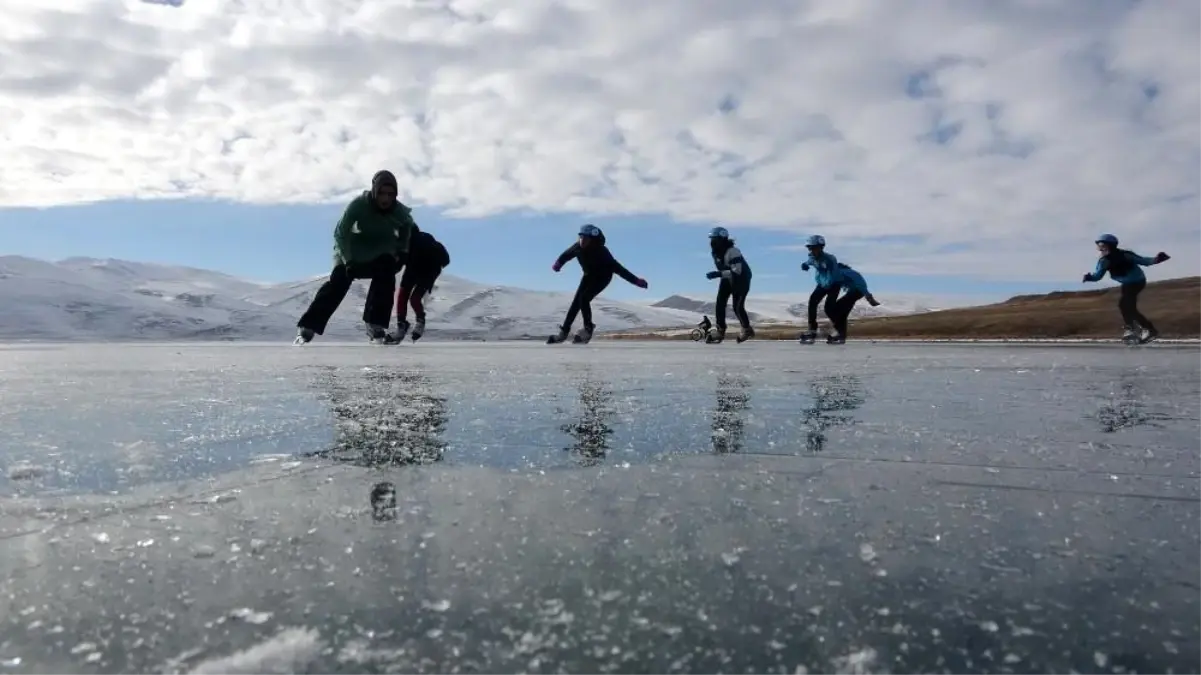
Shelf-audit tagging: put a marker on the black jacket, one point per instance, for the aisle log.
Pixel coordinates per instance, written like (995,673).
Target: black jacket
(426,253)
(596,260)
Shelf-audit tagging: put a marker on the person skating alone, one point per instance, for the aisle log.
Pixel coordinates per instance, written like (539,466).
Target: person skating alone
(599,266)
(1124,267)
(427,258)
(371,241)
(855,289)
(828,276)
(735,275)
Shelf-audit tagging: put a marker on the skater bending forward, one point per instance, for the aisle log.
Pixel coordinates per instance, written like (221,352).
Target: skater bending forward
(371,241)
(427,258)
(599,266)
(1123,267)
(829,282)
(735,275)
(855,290)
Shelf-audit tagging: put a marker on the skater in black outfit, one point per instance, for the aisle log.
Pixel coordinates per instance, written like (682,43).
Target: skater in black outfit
(427,258)
(599,266)
(1123,267)
(735,275)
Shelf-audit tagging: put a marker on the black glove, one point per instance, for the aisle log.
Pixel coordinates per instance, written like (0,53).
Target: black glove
(1161,256)
(713,275)
(804,267)
(1086,279)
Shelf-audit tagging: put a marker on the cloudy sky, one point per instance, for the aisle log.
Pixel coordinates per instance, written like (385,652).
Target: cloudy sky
(939,145)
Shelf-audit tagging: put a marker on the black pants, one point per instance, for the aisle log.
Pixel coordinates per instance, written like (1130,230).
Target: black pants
(831,296)
(1129,306)
(842,310)
(590,286)
(414,284)
(738,291)
(378,308)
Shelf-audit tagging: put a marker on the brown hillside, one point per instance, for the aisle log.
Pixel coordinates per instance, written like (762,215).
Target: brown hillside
(1173,305)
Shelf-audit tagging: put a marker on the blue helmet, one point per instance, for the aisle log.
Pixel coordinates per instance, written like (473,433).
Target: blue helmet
(589,230)
(1107,239)
(719,233)
(815,240)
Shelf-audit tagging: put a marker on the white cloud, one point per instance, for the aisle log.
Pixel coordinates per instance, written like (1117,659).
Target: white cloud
(612,106)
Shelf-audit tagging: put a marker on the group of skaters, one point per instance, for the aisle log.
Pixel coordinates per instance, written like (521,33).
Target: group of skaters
(377,237)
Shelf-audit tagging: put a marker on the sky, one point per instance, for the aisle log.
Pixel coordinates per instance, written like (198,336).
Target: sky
(953,147)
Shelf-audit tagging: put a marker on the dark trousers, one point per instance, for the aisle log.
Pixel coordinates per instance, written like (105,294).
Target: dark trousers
(378,308)
(831,296)
(738,291)
(842,310)
(590,286)
(1128,305)
(414,284)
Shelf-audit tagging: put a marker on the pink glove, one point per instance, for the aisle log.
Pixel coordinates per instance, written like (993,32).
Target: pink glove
(556,267)
(641,283)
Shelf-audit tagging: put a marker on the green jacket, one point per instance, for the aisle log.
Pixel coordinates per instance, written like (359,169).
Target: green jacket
(364,233)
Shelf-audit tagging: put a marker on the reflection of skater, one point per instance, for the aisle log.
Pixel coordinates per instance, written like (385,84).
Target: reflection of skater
(591,430)
(728,426)
(371,241)
(599,266)
(427,258)
(1123,267)
(735,274)
(829,282)
(855,290)
(833,394)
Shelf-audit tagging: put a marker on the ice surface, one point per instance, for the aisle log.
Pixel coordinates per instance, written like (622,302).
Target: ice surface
(626,506)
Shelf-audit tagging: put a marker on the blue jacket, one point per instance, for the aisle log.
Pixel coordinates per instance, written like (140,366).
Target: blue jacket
(826,270)
(1122,266)
(853,280)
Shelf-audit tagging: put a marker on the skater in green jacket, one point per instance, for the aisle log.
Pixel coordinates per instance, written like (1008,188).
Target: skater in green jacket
(371,241)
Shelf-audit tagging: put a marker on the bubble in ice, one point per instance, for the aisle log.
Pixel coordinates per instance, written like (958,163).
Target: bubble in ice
(101,537)
(26,471)
(250,616)
(867,553)
(437,605)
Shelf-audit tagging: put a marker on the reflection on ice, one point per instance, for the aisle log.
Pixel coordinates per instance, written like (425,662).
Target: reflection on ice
(830,395)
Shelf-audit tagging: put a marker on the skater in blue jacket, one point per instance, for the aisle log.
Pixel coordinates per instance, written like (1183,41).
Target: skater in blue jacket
(829,282)
(1123,267)
(855,289)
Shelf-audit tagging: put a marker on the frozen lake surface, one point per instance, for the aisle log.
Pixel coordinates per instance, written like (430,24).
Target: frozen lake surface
(664,507)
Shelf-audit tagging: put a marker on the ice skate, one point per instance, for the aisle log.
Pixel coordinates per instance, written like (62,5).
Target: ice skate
(808,337)
(716,336)
(1129,336)
(584,335)
(1148,335)
(746,334)
(418,329)
(555,339)
(835,339)
(303,337)
(379,335)
(398,336)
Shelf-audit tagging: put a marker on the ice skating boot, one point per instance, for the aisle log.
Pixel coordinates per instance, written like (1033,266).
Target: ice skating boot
(555,339)
(379,335)
(584,335)
(808,337)
(402,327)
(1148,335)
(716,336)
(835,339)
(303,336)
(746,334)
(418,329)
(1129,336)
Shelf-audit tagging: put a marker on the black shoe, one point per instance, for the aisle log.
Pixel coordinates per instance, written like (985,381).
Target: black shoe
(745,335)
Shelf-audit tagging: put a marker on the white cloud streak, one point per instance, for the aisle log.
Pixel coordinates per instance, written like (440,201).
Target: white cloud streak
(1060,118)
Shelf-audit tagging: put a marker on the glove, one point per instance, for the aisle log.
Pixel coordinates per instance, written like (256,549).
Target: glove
(804,267)
(1161,256)
(556,267)
(713,275)
(640,283)
(1086,279)
(872,301)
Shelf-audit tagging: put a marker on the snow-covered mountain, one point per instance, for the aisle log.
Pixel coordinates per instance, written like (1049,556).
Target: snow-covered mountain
(793,308)
(88,299)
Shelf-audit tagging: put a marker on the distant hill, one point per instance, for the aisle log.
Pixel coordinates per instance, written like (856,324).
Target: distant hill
(118,300)
(1174,305)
